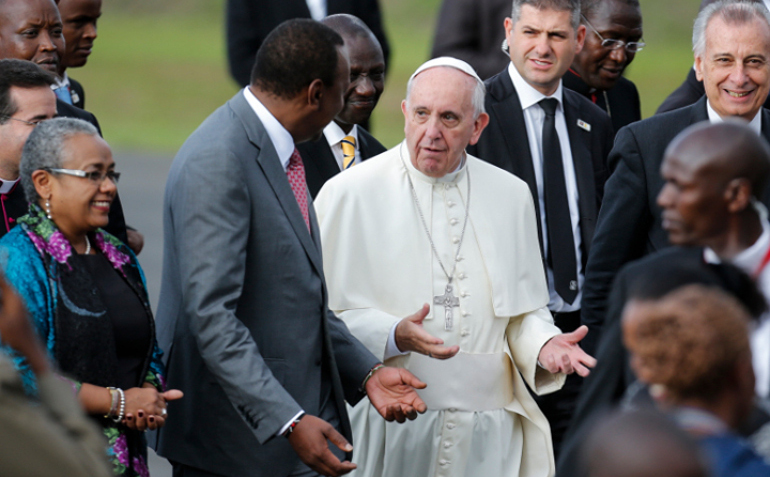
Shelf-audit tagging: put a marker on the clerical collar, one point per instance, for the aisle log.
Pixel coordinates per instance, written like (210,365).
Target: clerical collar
(279,136)
(452,177)
(334,134)
(755,124)
(529,96)
(752,256)
(7,186)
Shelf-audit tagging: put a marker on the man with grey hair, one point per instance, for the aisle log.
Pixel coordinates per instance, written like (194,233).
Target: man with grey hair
(732,50)
(557,141)
(427,279)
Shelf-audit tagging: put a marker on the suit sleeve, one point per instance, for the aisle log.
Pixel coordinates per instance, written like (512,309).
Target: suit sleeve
(212,273)
(621,231)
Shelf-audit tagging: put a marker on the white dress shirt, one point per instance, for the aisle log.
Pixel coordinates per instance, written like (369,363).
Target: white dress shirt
(534,116)
(755,124)
(317,9)
(279,136)
(334,136)
(749,261)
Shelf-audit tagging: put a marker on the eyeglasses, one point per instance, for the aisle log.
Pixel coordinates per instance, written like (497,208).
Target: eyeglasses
(29,123)
(97,177)
(613,44)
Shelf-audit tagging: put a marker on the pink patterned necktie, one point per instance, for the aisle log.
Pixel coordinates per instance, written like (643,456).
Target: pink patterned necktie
(296,175)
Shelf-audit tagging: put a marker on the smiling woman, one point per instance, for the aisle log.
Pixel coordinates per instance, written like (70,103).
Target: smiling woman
(84,289)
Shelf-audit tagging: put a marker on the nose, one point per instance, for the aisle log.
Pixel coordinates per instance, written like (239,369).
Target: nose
(543,46)
(365,86)
(738,74)
(90,31)
(619,55)
(108,186)
(433,128)
(45,41)
(666,197)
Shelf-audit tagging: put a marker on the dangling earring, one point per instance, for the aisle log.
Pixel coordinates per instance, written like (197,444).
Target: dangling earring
(48,209)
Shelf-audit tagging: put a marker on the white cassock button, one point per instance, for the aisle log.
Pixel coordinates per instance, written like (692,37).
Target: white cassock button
(463,293)
(447,445)
(459,258)
(465,332)
(463,312)
(455,239)
(462,276)
(450,426)
(453,221)
(443,462)
(447,186)
(450,203)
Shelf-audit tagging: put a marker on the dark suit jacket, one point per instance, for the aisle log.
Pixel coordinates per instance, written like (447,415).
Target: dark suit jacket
(624,107)
(690,91)
(78,95)
(472,30)
(14,206)
(629,224)
(250,21)
(243,311)
(320,164)
(504,143)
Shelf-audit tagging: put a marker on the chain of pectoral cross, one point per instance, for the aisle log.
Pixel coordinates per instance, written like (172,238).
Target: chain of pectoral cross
(448,299)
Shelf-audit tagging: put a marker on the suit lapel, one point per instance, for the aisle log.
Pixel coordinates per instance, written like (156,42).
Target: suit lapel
(579,141)
(509,117)
(271,166)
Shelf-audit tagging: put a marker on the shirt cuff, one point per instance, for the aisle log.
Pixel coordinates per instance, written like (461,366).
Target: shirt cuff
(286,426)
(391,349)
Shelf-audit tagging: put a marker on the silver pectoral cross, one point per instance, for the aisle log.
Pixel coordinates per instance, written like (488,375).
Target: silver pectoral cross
(447,300)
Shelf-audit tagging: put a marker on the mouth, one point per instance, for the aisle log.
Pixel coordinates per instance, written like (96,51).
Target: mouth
(541,63)
(612,72)
(50,64)
(362,103)
(103,205)
(738,94)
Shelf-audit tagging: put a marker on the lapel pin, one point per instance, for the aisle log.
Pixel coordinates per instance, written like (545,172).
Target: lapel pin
(584,125)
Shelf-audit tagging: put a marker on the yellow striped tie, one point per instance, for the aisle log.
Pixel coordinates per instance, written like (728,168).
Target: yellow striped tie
(348,152)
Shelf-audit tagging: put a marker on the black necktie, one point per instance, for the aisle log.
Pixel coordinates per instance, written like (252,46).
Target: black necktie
(561,244)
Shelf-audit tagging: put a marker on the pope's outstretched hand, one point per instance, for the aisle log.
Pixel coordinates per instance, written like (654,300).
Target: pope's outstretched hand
(392,392)
(562,354)
(411,336)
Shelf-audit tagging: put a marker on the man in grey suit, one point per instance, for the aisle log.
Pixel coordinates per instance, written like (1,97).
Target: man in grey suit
(244,304)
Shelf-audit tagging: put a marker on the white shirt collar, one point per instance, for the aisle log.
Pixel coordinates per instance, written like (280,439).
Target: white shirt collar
(61,82)
(749,259)
(334,134)
(279,136)
(7,185)
(529,96)
(755,124)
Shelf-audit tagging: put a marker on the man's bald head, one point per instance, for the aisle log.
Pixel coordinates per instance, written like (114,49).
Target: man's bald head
(730,149)
(367,69)
(642,444)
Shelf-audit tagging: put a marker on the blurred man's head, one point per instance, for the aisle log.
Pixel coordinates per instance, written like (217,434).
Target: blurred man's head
(31,30)
(25,99)
(731,44)
(303,64)
(443,113)
(79,18)
(367,69)
(613,34)
(543,37)
(713,173)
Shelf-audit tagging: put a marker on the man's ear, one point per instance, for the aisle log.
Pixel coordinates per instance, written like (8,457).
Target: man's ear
(315,92)
(738,195)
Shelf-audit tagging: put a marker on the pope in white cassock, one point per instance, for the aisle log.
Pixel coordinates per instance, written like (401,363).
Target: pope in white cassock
(425,222)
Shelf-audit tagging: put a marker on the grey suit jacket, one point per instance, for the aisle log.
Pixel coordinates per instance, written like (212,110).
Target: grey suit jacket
(243,310)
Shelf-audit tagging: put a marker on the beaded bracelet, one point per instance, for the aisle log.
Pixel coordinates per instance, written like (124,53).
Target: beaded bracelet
(368,376)
(122,411)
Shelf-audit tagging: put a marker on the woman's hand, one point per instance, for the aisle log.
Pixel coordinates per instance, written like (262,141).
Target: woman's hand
(146,407)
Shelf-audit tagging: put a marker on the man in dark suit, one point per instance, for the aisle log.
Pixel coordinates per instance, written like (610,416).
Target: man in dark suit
(691,90)
(560,153)
(737,83)
(345,142)
(613,37)
(79,19)
(250,21)
(714,175)
(266,367)
(470,30)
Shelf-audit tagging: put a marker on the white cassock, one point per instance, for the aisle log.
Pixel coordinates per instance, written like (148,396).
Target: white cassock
(380,268)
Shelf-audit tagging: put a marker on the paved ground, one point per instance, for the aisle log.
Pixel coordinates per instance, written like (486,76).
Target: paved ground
(141,192)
